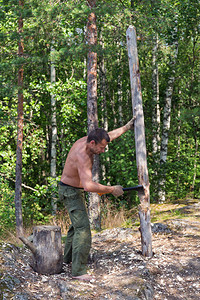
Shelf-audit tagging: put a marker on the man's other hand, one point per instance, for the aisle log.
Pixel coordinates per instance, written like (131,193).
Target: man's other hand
(130,124)
(118,191)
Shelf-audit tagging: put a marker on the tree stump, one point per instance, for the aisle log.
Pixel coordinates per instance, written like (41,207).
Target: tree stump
(46,249)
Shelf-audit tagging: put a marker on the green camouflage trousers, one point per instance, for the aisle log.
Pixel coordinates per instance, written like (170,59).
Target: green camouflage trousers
(78,241)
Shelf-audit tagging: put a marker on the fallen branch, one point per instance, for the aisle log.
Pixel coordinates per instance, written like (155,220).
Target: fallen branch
(25,186)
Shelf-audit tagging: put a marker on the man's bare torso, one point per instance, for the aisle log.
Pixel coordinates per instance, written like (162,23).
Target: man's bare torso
(77,158)
(78,166)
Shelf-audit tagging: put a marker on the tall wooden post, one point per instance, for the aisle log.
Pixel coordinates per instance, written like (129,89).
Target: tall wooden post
(140,144)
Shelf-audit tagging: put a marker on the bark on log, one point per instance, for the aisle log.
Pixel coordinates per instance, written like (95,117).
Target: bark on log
(46,249)
(140,144)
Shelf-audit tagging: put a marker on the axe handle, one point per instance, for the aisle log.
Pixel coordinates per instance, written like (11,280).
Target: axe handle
(136,188)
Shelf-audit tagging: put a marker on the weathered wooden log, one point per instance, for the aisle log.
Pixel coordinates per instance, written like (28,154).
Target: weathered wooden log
(145,229)
(140,144)
(46,249)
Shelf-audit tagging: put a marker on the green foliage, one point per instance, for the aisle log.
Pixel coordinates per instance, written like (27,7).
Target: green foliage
(61,26)
(7,206)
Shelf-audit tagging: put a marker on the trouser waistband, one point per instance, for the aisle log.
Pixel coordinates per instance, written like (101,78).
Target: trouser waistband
(64,184)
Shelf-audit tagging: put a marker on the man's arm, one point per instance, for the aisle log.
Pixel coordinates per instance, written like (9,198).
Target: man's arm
(119,131)
(90,186)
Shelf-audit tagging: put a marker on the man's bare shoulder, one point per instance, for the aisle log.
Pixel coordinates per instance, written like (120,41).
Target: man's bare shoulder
(78,151)
(80,141)
(79,145)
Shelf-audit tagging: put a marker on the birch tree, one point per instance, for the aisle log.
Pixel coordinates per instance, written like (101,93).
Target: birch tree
(155,101)
(155,112)
(53,135)
(103,90)
(166,124)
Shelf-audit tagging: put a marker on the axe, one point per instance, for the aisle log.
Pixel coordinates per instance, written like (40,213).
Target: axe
(136,188)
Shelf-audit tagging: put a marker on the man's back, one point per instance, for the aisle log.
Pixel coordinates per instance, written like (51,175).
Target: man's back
(77,158)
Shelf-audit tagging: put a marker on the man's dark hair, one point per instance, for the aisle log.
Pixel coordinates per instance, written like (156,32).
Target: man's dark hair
(98,135)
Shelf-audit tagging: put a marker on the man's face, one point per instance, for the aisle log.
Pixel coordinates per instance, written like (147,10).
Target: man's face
(98,148)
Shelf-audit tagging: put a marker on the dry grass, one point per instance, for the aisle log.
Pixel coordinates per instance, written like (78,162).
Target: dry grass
(61,219)
(113,217)
(9,237)
(110,218)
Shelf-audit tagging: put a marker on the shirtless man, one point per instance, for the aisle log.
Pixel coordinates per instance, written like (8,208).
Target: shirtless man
(77,178)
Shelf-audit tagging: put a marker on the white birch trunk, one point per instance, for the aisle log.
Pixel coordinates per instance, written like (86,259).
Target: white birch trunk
(195,163)
(53,137)
(119,92)
(166,127)
(104,117)
(156,105)
(112,101)
(119,89)
(179,144)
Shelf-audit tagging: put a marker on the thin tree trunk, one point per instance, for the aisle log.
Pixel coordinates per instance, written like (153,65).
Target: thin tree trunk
(103,89)
(141,156)
(192,104)
(92,74)
(85,69)
(156,106)
(53,139)
(18,182)
(195,162)
(119,88)
(112,101)
(94,199)
(104,117)
(155,114)
(166,127)
(178,144)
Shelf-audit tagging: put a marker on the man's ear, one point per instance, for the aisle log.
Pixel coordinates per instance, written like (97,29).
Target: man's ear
(92,143)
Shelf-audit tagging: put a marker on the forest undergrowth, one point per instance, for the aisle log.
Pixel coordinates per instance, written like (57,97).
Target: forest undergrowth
(113,217)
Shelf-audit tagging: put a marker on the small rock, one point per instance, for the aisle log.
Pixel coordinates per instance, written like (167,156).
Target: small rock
(160,228)
(23,296)
(63,286)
